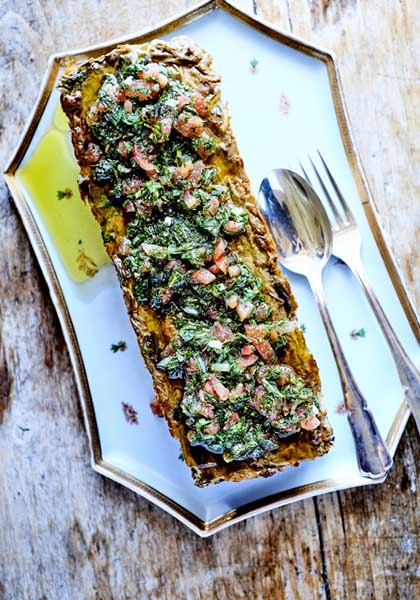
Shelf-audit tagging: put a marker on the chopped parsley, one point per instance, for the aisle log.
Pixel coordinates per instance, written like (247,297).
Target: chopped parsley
(181,229)
(119,346)
(66,193)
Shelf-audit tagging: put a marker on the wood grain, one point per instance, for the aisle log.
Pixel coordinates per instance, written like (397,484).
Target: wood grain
(67,533)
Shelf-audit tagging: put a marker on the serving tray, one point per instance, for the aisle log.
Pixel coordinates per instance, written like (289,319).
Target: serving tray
(285,100)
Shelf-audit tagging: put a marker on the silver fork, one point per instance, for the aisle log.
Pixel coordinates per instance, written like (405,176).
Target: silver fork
(347,242)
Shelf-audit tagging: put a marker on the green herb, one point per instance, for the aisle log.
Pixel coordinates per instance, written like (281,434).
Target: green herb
(175,220)
(107,237)
(119,346)
(66,193)
(303,327)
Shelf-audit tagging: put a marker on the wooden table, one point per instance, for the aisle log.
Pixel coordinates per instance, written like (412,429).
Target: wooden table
(67,533)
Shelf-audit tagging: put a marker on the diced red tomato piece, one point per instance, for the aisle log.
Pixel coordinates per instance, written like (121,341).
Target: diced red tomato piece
(189,126)
(234,418)
(153,72)
(232,301)
(208,387)
(213,208)
(93,153)
(202,276)
(220,248)
(197,169)
(222,332)
(265,350)
(182,101)
(190,200)
(232,227)
(223,264)
(212,429)
(247,350)
(140,89)
(309,423)
(123,149)
(199,104)
(255,332)
(144,161)
(234,271)
(221,391)
(244,309)
(183,171)
(244,362)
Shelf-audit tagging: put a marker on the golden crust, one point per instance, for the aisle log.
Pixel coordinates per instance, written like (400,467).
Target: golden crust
(256,247)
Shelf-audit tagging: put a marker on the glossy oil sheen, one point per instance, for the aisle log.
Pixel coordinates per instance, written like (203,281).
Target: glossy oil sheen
(75,233)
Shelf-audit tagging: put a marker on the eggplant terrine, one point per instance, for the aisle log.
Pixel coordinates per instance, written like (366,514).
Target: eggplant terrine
(213,313)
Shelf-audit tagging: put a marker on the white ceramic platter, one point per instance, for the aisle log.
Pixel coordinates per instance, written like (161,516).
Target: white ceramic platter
(286,107)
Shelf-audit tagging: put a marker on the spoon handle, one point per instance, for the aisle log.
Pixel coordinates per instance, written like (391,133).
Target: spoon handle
(372,454)
(409,375)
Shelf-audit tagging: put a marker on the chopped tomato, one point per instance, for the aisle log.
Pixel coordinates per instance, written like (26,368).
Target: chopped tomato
(244,362)
(232,301)
(212,429)
(93,153)
(223,264)
(309,423)
(255,332)
(192,365)
(208,387)
(221,391)
(190,200)
(202,276)
(232,227)
(237,391)
(247,350)
(166,126)
(222,332)
(234,418)
(144,161)
(140,89)
(234,271)
(207,410)
(199,104)
(166,296)
(244,309)
(219,249)
(182,101)
(197,169)
(183,171)
(265,350)
(189,126)
(123,149)
(153,72)
(213,207)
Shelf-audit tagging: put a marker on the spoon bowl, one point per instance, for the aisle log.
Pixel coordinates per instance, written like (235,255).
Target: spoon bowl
(297,220)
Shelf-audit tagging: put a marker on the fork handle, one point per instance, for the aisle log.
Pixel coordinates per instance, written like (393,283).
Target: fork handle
(409,375)
(372,454)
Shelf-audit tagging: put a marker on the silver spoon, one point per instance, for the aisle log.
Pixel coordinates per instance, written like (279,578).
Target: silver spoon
(303,236)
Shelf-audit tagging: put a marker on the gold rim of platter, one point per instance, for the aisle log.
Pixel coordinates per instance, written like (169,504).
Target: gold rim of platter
(199,526)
